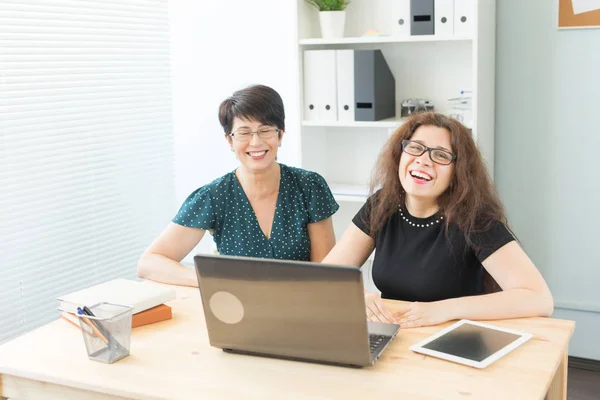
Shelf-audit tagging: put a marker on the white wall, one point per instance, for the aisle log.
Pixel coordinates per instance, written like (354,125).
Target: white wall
(547,147)
(219,47)
(547,91)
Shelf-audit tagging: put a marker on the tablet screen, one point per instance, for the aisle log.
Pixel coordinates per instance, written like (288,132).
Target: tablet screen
(472,342)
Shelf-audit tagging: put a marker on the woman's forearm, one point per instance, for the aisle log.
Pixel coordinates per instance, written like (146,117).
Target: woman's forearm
(512,303)
(162,269)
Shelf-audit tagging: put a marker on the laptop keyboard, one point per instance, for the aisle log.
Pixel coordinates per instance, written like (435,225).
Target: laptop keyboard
(376,342)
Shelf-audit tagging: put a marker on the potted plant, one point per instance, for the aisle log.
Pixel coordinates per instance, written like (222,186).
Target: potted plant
(332,17)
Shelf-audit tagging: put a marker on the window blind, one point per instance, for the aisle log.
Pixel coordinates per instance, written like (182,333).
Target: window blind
(86,152)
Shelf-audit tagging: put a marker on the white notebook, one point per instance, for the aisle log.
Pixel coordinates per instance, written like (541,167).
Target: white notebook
(141,296)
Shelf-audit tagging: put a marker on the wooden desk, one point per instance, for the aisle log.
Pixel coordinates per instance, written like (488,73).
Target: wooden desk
(172,360)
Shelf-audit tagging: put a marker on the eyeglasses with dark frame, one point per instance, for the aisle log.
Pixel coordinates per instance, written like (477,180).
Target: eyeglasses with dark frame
(243,135)
(439,156)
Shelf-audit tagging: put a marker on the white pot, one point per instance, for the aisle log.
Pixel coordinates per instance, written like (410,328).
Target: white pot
(332,24)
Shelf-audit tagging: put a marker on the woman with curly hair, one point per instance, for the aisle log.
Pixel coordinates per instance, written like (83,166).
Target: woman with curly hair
(440,232)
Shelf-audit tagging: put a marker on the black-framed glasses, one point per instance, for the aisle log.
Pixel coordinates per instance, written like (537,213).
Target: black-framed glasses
(439,156)
(243,135)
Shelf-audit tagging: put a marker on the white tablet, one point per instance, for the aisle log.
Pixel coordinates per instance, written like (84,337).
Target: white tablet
(472,343)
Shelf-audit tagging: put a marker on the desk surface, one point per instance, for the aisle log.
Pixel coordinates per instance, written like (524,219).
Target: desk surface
(172,359)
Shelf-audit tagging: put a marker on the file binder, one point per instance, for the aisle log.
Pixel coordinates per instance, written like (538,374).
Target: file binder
(444,17)
(401,15)
(421,17)
(320,94)
(345,85)
(464,13)
(374,87)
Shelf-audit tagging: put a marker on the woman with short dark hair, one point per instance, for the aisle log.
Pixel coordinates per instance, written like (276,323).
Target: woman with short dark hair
(261,209)
(440,233)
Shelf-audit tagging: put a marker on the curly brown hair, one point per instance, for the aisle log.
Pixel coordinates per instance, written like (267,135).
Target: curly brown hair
(470,202)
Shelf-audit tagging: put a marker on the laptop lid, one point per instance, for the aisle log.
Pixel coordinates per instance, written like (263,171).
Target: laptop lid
(284,308)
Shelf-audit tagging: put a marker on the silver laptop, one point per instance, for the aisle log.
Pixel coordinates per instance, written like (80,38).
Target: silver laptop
(289,309)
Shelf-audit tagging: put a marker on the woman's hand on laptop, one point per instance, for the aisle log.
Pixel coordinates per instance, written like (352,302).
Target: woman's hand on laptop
(376,311)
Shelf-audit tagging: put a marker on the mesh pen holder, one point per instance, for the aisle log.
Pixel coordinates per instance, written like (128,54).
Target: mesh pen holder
(107,334)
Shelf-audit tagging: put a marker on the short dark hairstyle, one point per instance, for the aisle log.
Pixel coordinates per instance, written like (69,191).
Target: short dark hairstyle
(257,102)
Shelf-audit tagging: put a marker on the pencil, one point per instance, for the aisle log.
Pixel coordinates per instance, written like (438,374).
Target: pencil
(95,329)
(71,322)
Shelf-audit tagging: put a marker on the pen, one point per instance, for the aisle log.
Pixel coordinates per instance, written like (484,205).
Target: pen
(93,326)
(88,311)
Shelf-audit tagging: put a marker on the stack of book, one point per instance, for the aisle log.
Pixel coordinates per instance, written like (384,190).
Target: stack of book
(147,300)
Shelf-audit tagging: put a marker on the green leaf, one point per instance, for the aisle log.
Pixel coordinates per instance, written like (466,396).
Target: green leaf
(329,5)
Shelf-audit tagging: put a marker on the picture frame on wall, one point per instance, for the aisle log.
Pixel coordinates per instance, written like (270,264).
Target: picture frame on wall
(578,14)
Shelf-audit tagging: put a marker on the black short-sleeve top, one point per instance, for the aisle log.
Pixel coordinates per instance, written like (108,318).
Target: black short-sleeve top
(415,260)
(222,206)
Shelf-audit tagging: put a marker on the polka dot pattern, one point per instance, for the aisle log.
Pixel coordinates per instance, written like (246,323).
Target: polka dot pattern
(222,206)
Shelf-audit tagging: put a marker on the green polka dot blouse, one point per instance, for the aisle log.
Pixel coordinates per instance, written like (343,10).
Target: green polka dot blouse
(222,206)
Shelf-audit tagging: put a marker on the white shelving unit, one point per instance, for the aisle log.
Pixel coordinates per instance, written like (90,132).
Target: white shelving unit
(393,123)
(389,123)
(379,39)
(432,67)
